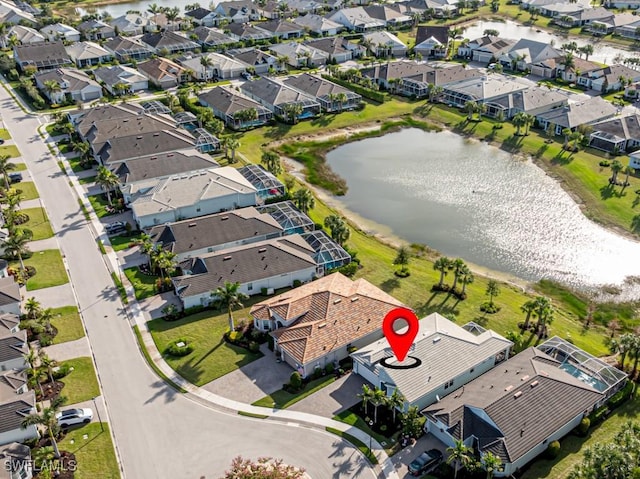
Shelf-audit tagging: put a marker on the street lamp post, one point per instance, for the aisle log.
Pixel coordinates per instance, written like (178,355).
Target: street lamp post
(98,413)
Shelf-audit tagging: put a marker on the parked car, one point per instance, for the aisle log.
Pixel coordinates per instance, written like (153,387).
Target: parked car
(1,141)
(115,227)
(425,462)
(15,177)
(71,417)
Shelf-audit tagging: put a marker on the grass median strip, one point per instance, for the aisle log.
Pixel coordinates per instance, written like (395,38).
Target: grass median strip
(9,150)
(252,414)
(28,190)
(282,399)
(364,449)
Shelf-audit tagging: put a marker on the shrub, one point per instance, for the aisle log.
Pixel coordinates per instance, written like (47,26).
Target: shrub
(61,372)
(270,342)
(621,396)
(584,425)
(487,307)
(329,368)
(254,347)
(295,381)
(263,291)
(605,163)
(403,273)
(317,373)
(183,350)
(553,449)
(349,270)
(194,310)
(235,336)
(297,283)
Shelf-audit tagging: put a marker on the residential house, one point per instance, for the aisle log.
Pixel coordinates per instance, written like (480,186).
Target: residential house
(74,85)
(206,234)
(212,38)
(561,9)
(246,32)
(257,61)
(318,323)
(41,56)
(385,44)
(634,160)
(339,49)
(127,49)
(94,29)
(300,55)
(272,10)
(133,24)
(13,412)
(573,115)
(161,165)
(238,11)
(11,14)
(630,4)
(15,461)
(267,185)
(356,19)
(432,41)
(584,17)
(451,357)
(305,7)
(266,265)
(282,29)
(203,16)
(630,30)
(163,73)
(9,296)
(60,31)
(485,49)
(610,24)
(221,67)
(276,96)
(610,78)
(332,97)
(532,101)
(13,348)
(318,25)
(616,135)
(85,54)
(25,35)
(84,119)
(168,42)
(189,195)
(120,79)
(485,91)
(580,66)
(392,17)
(230,106)
(526,52)
(516,410)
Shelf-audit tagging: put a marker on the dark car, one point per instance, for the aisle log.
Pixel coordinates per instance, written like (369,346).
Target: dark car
(15,177)
(425,462)
(1,141)
(115,227)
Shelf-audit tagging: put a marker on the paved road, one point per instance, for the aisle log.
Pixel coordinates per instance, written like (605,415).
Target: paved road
(159,433)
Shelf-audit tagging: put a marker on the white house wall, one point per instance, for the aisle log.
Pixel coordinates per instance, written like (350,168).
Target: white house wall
(17,363)
(18,435)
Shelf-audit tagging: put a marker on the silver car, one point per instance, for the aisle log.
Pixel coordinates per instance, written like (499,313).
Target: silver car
(71,417)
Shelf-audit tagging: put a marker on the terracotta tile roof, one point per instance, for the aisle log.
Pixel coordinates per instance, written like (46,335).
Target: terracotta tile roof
(327,314)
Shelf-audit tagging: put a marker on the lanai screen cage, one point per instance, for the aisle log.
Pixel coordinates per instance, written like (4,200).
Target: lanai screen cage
(205,141)
(582,365)
(266,183)
(155,107)
(288,216)
(329,254)
(185,117)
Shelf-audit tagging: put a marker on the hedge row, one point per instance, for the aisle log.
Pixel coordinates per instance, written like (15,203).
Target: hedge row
(360,90)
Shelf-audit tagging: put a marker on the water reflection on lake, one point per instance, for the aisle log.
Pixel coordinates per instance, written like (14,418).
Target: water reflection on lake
(469,199)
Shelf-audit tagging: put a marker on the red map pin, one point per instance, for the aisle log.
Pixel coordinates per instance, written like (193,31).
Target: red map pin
(400,343)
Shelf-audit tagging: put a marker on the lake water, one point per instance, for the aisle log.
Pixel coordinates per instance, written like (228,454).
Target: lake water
(471,200)
(117,9)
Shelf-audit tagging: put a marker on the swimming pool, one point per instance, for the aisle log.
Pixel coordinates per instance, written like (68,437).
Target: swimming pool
(583,376)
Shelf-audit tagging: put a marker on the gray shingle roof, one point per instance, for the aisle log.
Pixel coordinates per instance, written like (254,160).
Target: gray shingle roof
(9,291)
(228,101)
(13,346)
(105,112)
(436,75)
(588,111)
(162,164)
(102,131)
(13,413)
(133,146)
(43,55)
(316,86)
(627,127)
(273,92)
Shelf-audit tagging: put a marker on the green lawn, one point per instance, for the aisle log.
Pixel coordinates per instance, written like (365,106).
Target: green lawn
(143,284)
(123,241)
(49,269)
(99,205)
(4,134)
(95,454)
(11,150)
(66,320)
(212,357)
(353,419)
(282,399)
(20,166)
(81,384)
(28,189)
(87,180)
(38,223)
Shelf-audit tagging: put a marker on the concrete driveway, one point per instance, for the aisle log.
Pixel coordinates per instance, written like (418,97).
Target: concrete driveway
(336,397)
(402,459)
(152,307)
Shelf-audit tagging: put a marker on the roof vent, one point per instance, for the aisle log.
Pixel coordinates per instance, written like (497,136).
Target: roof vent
(321,325)
(336,301)
(153,158)
(517,395)
(509,387)
(436,339)
(191,225)
(534,384)
(355,299)
(138,138)
(524,378)
(169,155)
(224,218)
(262,250)
(156,134)
(226,258)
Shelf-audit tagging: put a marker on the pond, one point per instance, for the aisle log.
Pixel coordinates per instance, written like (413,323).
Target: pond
(471,200)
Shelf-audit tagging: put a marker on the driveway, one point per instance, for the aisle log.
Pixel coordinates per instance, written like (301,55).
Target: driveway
(69,350)
(53,297)
(253,381)
(152,307)
(402,459)
(336,397)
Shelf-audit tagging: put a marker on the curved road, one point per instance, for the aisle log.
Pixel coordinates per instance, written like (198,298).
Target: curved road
(159,433)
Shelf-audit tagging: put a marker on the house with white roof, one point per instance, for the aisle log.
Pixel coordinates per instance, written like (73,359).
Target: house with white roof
(94,29)
(356,19)
(527,52)
(11,14)
(222,66)
(586,112)
(133,24)
(385,44)
(60,31)
(85,54)
(300,55)
(450,357)
(318,25)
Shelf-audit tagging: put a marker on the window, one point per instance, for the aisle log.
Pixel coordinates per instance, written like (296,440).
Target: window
(472,370)
(250,286)
(449,384)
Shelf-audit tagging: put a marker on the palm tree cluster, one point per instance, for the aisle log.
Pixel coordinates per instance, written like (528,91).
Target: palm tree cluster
(338,227)
(304,200)
(271,161)
(377,397)
(627,346)
(461,275)
(46,419)
(161,261)
(229,297)
(108,181)
(520,120)
(37,321)
(540,308)
(463,457)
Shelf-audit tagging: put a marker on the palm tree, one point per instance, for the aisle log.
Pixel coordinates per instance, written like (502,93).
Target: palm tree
(233,144)
(395,401)
(47,418)
(48,364)
(466,277)
(576,137)
(527,308)
(528,121)
(6,166)
(622,346)
(15,245)
(493,290)
(402,258)
(84,148)
(271,161)
(339,230)
(490,463)
(165,262)
(543,310)
(51,87)
(205,62)
(230,297)
(377,400)
(568,61)
(519,120)
(460,455)
(458,266)
(292,111)
(470,107)
(434,93)
(566,132)
(33,308)
(146,246)
(304,200)
(616,167)
(627,171)
(587,50)
(442,265)
(172,14)
(341,98)
(107,180)
(366,395)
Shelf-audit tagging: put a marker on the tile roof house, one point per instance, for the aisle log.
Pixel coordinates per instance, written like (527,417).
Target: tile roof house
(15,461)
(206,234)
(9,296)
(212,38)
(339,49)
(12,413)
(318,25)
(260,61)
(451,356)
(168,41)
(432,41)
(130,79)
(587,112)
(616,135)
(484,90)
(163,73)
(60,31)
(160,165)
(231,106)
(485,49)
(25,35)
(515,410)
(203,16)
(581,66)
(317,323)
(222,67)
(42,56)
(300,55)
(86,54)
(281,29)
(331,96)
(275,96)
(94,29)
(133,24)
(270,264)
(196,193)
(385,44)
(127,49)
(73,84)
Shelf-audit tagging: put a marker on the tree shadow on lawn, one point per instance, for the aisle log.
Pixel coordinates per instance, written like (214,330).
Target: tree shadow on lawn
(390,284)
(512,143)
(423,110)
(609,191)
(278,132)
(425,308)
(211,351)
(323,120)
(563,157)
